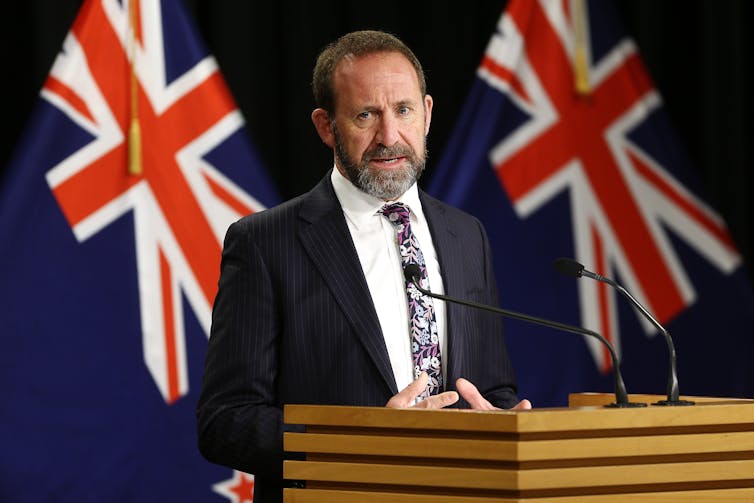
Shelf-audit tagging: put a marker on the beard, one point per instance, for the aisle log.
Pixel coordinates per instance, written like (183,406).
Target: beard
(385,184)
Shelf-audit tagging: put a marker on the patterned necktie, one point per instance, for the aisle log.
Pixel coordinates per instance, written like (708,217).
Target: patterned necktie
(425,344)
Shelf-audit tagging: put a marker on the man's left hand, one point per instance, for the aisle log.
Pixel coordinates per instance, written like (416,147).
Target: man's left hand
(471,394)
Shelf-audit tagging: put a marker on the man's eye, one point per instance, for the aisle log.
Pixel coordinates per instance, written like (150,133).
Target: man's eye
(365,115)
(404,111)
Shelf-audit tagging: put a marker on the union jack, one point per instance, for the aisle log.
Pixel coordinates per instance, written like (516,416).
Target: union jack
(623,196)
(181,203)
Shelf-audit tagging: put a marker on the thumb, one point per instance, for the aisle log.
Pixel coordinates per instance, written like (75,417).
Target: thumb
(406,397)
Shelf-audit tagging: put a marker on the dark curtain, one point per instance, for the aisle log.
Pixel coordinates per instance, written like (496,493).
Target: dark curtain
(698,53)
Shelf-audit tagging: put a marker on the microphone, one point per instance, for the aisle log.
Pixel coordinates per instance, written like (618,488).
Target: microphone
(570,267)
(412,273)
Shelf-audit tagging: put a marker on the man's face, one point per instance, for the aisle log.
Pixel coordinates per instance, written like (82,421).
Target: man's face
(381,123)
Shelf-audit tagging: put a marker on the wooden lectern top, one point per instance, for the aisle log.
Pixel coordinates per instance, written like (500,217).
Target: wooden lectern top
(587,415)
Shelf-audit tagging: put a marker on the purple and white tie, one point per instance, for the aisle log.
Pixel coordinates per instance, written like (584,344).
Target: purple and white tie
(425,344)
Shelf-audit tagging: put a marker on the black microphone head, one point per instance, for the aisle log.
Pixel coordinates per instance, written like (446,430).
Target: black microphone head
(412,271)
(568,266)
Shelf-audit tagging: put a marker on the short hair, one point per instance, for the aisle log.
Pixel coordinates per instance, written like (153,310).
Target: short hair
(357,43)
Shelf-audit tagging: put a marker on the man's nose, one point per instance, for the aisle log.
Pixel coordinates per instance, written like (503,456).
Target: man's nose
(387,132)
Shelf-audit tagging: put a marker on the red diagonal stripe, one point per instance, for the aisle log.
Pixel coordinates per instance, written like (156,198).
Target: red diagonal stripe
(66,93)
(603,306)
(228,198)
(691,209)
(171,353)
(506,75)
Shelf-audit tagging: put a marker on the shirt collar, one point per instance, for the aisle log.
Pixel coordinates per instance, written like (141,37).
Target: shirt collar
(360,207)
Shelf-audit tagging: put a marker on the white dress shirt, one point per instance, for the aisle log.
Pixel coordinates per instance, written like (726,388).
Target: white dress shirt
(375,240)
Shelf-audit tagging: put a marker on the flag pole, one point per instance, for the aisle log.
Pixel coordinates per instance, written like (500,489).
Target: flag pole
(581,47)
(134,130)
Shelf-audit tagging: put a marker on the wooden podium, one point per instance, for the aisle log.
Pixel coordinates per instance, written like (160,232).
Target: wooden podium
(581,453)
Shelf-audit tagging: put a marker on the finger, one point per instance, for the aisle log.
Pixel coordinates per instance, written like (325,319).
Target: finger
(522,405)
(438,401)
(407,396)
(471,394)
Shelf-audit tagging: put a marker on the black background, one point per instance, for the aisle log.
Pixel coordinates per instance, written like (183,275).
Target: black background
(698,53)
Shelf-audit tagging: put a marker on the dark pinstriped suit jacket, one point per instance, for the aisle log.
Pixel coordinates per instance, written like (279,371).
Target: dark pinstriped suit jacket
(293,322)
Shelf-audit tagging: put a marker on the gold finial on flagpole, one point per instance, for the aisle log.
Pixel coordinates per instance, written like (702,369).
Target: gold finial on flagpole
(580,47)
(134,130)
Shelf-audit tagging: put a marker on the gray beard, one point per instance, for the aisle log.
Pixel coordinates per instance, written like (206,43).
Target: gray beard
(383,184)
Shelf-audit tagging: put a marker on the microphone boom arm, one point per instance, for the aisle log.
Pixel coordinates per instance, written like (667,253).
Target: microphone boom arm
(621,396)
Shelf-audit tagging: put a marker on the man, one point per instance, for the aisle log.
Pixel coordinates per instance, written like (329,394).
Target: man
(312,304)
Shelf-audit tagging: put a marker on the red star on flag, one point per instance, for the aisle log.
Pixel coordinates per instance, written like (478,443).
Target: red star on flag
(238,489)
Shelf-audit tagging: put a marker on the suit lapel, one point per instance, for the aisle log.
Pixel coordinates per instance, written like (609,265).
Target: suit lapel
(450,254)
(328,242)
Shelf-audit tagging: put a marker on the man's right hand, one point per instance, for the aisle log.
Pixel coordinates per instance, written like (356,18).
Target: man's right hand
(407,396)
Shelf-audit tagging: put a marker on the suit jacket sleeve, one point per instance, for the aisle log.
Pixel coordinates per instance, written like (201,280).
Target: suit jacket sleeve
(503,392)
(476,345)
(239,422)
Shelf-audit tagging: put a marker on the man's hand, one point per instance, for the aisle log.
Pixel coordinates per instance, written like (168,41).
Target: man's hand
(405,398)
(471,394)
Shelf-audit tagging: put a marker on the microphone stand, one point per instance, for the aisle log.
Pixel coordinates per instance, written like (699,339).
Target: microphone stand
(573,268)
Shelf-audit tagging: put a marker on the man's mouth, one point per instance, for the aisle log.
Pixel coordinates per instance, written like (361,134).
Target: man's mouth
(387,161)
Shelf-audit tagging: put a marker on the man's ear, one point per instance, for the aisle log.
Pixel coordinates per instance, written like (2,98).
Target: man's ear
(323,125)
(428,113)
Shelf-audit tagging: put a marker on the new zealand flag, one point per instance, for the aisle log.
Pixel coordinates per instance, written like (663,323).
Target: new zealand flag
(564,150)
(112,216)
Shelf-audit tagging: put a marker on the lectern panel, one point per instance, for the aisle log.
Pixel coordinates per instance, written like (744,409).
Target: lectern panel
(567,454)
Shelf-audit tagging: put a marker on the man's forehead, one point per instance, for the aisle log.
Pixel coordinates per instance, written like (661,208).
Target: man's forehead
(368,80)
(376,65)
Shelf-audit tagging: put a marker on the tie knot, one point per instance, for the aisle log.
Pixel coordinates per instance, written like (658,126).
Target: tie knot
(397,213)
